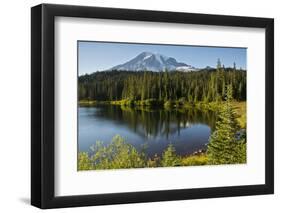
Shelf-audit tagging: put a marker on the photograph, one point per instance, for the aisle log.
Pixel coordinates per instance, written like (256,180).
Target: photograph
(160,105)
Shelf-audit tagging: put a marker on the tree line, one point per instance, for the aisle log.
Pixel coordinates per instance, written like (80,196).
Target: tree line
(206,85)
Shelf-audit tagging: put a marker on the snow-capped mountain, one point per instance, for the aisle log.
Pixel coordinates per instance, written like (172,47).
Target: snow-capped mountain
(153,62)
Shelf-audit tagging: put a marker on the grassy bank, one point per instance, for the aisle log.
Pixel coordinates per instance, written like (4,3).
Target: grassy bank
(241,110)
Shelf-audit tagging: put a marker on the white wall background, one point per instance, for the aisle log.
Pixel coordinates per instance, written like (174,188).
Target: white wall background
(15,105)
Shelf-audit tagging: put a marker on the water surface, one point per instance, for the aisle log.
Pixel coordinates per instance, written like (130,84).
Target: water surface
(187,130)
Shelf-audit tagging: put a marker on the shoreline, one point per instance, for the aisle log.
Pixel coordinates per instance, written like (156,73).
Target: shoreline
(155,103)
(240,106)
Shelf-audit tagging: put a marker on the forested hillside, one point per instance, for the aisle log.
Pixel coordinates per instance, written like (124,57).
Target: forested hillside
(206,85)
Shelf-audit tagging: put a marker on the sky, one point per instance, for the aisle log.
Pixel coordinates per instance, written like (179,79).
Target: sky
(98,56)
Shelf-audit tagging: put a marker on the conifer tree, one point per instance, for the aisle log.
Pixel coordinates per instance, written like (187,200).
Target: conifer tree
(224,147)
(169,157)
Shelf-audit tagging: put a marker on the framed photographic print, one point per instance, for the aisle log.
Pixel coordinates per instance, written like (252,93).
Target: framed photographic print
(139,106)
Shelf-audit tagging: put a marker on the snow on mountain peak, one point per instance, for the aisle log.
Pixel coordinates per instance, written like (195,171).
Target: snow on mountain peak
(146,57)
(153,62)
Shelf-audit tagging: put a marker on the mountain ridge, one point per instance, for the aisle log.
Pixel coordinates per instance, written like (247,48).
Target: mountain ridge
(153,62)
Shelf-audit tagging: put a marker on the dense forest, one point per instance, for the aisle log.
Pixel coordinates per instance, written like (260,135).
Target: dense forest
(206,85)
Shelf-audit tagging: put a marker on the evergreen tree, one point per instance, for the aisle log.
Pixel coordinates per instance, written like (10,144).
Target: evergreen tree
(218,64)
(224,146)
(170,157)
(234,66)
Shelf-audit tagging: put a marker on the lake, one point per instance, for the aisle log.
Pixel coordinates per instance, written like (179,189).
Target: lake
(187,130)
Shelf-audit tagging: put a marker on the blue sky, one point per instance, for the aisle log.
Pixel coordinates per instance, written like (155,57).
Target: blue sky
(98,56)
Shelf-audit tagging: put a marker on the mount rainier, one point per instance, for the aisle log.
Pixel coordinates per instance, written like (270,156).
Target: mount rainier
(153,62)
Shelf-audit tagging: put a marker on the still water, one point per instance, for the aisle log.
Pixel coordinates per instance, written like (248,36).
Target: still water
(187,130)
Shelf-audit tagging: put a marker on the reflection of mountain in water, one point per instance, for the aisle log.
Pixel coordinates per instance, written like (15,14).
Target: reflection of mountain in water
(150,123)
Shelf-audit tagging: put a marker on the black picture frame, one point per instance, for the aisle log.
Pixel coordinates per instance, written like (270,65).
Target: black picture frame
(43,110)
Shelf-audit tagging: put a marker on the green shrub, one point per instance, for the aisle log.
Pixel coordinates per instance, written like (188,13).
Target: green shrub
(195,160)
(116,155)
(84,161)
